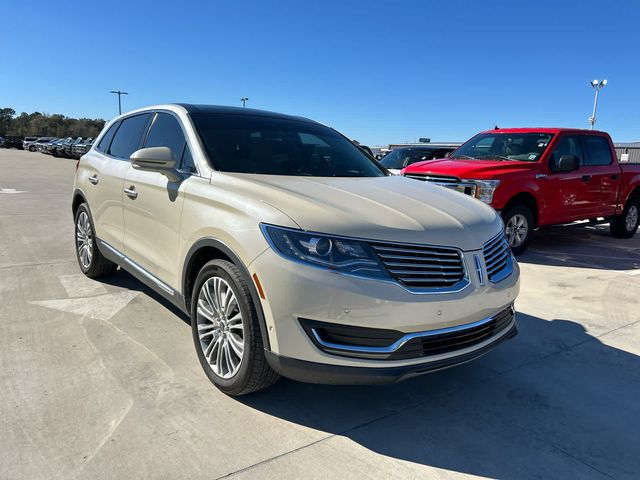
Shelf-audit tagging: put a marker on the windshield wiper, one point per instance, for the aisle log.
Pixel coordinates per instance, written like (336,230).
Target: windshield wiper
(464,156)
(496,157)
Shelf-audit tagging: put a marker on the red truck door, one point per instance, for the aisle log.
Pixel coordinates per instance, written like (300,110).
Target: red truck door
(567,193)
(604,171)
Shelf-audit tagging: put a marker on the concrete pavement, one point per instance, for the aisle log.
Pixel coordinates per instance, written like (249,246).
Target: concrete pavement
(100,380)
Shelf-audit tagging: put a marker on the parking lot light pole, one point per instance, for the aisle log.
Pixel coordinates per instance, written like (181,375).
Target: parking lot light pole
(244,101)
(597,86)
(119,93)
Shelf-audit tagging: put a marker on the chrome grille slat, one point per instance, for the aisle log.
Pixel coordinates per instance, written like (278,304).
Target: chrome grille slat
(422,267)
(497,258)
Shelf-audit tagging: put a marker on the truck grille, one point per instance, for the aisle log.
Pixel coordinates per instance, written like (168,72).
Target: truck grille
(497,258)
(454,183)
(422,267)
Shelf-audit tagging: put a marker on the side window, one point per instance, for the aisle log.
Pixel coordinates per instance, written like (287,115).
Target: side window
(103,146)
(598,150)
(567,145)
(186,163)
(166,132)
(128,137)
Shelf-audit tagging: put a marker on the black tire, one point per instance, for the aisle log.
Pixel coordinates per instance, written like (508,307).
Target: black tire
(254,372)
(516,213)
(32,148)
(623,226)
(98,265)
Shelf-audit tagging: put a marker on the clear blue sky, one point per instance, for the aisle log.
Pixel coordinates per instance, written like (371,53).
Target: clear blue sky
(379,72)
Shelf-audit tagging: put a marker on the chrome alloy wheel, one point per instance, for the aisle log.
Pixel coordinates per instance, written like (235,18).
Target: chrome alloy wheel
(220,327)
(84,240)
(632,218)
(516,229)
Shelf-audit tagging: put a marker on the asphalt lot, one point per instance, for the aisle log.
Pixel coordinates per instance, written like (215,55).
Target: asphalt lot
(100,379)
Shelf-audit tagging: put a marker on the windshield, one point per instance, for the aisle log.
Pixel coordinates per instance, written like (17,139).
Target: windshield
(275,146)
(401,157)
(526,147)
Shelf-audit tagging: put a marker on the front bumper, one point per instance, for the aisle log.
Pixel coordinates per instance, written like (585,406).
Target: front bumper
(322,373)
(294,292)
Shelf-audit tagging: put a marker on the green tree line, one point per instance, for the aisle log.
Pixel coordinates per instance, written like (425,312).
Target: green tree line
(38,124)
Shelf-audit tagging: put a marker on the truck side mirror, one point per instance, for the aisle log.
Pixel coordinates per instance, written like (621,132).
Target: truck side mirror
(567,163)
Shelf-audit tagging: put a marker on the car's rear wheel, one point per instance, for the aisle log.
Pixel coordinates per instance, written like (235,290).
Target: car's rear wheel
(626,225)
(518,225)
(226,331)
(92,263)
(32,148)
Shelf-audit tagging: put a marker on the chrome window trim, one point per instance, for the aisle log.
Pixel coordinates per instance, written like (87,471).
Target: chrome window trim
(458,287)
(411,336)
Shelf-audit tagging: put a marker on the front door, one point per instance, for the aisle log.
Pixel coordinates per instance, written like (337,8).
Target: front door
(153,204)
(567,193)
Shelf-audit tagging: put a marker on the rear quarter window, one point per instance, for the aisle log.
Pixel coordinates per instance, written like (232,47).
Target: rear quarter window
(103,146)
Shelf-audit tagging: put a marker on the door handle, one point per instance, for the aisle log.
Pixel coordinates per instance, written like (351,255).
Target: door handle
(615,176)
(586,178)
(131,192)
(93,179)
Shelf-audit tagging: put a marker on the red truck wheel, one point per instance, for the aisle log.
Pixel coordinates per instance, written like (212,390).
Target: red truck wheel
(518,223)
(625,225)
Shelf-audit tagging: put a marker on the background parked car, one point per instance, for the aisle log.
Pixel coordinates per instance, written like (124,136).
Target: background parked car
(81,148)
(13,141)
(29,143)
(60,146)
(41,144)
(399,158)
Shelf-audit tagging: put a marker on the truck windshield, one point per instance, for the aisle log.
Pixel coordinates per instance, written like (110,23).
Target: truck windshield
(277,146)
(522,147)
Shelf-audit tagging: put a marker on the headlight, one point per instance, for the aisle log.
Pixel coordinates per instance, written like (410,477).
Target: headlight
(346,256)
(484,189)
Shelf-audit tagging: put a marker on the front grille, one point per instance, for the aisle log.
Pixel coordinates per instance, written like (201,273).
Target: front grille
(457,339)
(432,178)
(497,258)
(420,267)
(383,344)
(454,183)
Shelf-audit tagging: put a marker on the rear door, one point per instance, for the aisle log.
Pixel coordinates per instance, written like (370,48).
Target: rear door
(604,172)
(107,171)
(567,193)
(153,206)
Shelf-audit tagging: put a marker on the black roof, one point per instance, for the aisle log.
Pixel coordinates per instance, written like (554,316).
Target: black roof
(191,108)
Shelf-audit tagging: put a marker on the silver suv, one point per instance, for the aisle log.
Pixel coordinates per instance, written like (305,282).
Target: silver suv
(292,251)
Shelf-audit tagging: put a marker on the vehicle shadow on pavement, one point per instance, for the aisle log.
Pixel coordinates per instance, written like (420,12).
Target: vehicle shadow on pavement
(123,279)
(586,247)
(554,402)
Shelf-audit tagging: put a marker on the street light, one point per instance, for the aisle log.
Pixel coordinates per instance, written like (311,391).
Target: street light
(597,86)
(119,93)
(244,101)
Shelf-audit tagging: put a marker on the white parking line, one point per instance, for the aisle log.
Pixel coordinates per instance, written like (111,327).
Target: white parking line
(102,307)
(11,190)
(81,286)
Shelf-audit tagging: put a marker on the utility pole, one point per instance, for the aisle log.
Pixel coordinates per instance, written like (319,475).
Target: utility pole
(597,86)
(119,93)
(244,101)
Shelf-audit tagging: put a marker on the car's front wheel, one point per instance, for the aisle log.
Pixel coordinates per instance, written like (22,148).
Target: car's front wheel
(226,330)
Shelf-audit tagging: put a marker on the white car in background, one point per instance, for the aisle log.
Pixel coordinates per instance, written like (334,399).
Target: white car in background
(292,251)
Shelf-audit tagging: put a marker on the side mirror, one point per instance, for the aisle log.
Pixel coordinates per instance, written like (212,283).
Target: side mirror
(567,163)
(159,159)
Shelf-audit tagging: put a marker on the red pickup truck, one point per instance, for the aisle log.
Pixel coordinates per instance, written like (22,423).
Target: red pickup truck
(542,176)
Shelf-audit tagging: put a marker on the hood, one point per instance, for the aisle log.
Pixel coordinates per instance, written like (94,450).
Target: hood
(393,208)
(482,169)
